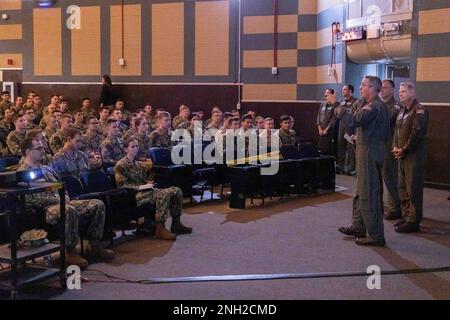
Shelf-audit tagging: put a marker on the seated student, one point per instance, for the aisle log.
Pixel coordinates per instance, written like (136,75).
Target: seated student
(287,135)
(130,174)
(86,108)
(58,139)
(18,105)
(248,133)
(161,137)
(70,160)
(52,126)
(208,121)
(220,136)
(133,130)
(259,124)
(16,137)
(192,126)
(39,135)
(79,121)
(118,116)
(7,124)
(216,120)
(103,119)
(181,121)
(93,211)
(29,117)
(265,135)
(92,140)
(5,103)
(111,148)
(143,139)
(64,106)
(126,115)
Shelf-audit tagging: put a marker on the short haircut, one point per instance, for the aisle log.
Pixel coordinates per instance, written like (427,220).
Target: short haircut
(71,133)
(65,115)
(257,118)
(226,115)
(84,99)
(54,95)
(350,87)
(17,116)
(127,142)
(410,85)
(120,100)
(216,111)
(89,118)
(110,122)
(183,107)
(104,108)
(390,81)
(268,119)
(33,133)
(330,89)
(246,117)
(233,119)
(139,120)
(5,92)
(26,144)
(375,82)
(29,108)
(163,114)
(285,117)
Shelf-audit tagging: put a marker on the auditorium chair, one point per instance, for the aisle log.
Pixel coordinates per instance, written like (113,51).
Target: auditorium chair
(119,199)
(168,174)
(6,162)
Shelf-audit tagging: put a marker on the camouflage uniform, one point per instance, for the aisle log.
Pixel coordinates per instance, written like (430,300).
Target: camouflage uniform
(132,174)
(57,141)
(91,146)
(13,142)
(102,127)
(87,113)
(151,122)
(92,209)
(3,150)
(81,127)
(30,125)
(212,125)
(131,132)
(48,132)
(410,133)
(180,123)
(159,138)
(5,128)
(111,150)
(287,138)
(70,162)
(144,145)
(5,105)
(126,115)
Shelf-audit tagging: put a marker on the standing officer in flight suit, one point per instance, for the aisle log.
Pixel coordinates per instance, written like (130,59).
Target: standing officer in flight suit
(372,128)
(409,148)
(389,171)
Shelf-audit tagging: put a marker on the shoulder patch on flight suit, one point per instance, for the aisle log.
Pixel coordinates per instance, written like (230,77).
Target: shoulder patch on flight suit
(397,107)
(420,111)
(367,107)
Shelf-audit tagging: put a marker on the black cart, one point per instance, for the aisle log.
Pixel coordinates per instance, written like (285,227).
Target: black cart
(21,272)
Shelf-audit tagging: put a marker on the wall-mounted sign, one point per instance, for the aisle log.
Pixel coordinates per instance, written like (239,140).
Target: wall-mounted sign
(352,34)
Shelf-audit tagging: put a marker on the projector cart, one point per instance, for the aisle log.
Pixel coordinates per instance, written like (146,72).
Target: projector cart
(21,272)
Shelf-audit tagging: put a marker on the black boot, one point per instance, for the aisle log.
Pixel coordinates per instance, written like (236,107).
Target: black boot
(178,228)
(407,227)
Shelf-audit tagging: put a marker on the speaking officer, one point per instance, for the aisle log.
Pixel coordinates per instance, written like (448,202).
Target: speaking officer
(372,128)
(409,148)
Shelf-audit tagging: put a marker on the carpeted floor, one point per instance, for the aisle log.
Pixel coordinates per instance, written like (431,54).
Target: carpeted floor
(292,236)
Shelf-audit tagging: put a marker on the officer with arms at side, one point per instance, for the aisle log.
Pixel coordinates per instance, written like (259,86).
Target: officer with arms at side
(390,166)
(409,148)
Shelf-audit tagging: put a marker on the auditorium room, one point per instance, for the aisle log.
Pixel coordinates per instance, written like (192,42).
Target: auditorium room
(229,150)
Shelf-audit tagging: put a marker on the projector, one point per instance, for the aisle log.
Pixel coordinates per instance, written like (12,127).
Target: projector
(11,178)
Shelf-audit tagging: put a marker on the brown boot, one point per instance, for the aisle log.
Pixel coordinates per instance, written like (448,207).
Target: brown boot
(73,258)
(97,251)
(162,233)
